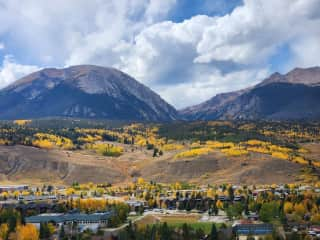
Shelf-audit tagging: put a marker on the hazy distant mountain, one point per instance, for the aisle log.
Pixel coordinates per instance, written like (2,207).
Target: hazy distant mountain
(83,91)
(293,96)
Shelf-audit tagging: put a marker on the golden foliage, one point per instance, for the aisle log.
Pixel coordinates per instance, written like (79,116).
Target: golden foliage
(300,160)
(255,142)
(3,141)
(4,231)
(90,138)
(217,144)
(90,204)
(48,141)
(275,148)
(302,150)
(258,150)
(106,149)
(172,147)
(194,152)
(288,207)
(21,122)
(299,209)
(234,152)
(27,232)
(46,144)
(219,204)
(280,155)
(195,145)
(140,181)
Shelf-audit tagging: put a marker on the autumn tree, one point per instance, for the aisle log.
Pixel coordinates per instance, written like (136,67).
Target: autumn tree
(27,232)
(288,207)
(4,231)
(299,209)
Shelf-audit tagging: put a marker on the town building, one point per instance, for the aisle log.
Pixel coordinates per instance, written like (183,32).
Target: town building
(12,188)
(255,230)
(33,198)
(79,220)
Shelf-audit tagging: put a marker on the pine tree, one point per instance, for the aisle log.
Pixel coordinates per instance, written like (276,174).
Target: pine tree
(44,231)
(185,231)
(62,233)
(214,233)
(153,233)
(165,232)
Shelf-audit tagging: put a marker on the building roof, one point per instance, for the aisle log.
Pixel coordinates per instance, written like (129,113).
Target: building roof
(12,186)
(254,229)
(61,218)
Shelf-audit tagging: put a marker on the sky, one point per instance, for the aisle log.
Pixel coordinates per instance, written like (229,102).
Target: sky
(185,50)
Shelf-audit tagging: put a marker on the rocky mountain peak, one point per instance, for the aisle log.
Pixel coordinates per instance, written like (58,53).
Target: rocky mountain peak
(88,91)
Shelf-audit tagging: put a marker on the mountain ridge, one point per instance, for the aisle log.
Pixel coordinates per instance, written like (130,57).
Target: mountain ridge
(265,100)
(89,91)
(84,90)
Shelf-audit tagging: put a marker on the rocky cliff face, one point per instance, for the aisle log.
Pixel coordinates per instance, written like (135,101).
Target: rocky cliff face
(84,91)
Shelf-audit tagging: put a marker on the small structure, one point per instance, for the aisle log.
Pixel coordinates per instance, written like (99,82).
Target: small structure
(135,204)
(242,231)
(314,230)
(12,188)
(238,198)
(253,216)
(80,220)
(223,198)
(33,198)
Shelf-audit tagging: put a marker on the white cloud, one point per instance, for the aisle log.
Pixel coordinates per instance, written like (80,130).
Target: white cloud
(187,62)
(207,85)
(163,53)
(2,46)
(252,32)
(182,59)
(157,9)
(10,71)
(307,52)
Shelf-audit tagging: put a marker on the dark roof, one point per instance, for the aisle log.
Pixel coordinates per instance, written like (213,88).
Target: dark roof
(254,229)
(60,218)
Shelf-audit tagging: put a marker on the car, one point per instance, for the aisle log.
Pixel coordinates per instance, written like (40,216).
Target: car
(312,233)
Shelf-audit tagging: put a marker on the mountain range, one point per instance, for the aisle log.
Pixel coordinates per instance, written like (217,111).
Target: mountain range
(88,91)
(292,96)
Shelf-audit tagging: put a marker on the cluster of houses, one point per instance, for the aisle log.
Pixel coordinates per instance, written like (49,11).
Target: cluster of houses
(94,221)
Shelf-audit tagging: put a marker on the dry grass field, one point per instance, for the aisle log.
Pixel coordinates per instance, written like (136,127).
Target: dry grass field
(37,166)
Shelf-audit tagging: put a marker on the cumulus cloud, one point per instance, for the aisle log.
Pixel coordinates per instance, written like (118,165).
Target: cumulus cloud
(182,59)
(209,84)
(163,53)
(10,71)
(252,32)
(186,62)
(157,9)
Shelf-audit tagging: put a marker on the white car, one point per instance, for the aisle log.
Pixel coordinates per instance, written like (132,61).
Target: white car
(312,233)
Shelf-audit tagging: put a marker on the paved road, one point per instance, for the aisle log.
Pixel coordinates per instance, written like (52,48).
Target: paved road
(116,230)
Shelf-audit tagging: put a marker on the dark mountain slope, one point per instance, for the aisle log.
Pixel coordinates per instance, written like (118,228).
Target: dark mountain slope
(292,96)
(84,92)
